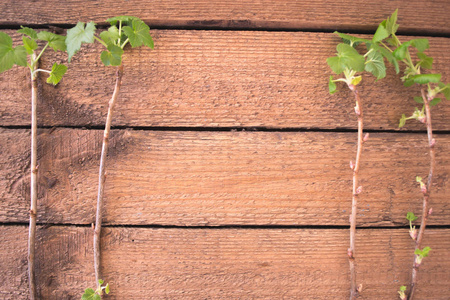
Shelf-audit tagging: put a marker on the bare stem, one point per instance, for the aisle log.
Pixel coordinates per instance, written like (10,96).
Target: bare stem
(356,191)
(33,186)
(102,176)
(426,195)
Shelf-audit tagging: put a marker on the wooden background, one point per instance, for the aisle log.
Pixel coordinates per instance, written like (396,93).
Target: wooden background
(228,171)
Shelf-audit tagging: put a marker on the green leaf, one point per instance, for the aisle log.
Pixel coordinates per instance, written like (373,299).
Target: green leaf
(56,74)
(10,55)
(113,56)
(97,297)
(400,52)
(408,82)
(100,281)
(418,100)
(124,19)
(380,34)
(356,80)
(435,101)
(349,39)
(388,55)
(425,62)
(445,89)
(426,78)
(332,86)
(78,35)
(420,44)
(29,44)
(424,252)
(411,217)
(402,121)
(56,41)
(111,36)
(139,34)
(375,65)
(391,23)
(28,31)
(347,57)
(88,294)
(107,288)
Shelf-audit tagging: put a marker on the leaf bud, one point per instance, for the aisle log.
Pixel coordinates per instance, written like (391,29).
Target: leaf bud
(413,233)
(350,253)
(366,137)
(357,111)
(360,287)
(352,166)
(359,190)
(423,188)
(430,211)
(432,143)
(418,260)
(422,119)
(351,87)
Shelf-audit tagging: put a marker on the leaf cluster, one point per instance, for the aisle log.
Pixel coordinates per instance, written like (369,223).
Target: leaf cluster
(123,30)
(422,253)
(90,294)
(24,55)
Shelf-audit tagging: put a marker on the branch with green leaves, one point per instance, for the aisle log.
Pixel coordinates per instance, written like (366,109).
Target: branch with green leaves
(28,55)
(350,63)
(124,30)
(91,294)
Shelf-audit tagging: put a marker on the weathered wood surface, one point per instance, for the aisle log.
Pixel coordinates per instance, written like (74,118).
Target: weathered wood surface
(143,263)
(414,15)
(219,79)
(221,178)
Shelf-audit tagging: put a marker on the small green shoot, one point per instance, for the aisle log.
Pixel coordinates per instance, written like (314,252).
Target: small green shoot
(90,294)
(412,229)
(402,293)
(421,254)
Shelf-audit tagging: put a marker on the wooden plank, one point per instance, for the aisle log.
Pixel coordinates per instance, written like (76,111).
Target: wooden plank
(222,178)
(144,263)
(219,79)
(282,14)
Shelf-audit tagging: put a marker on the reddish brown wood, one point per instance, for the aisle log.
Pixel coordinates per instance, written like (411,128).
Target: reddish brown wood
(219,79)
(414,15)
(142,263)
(219,178)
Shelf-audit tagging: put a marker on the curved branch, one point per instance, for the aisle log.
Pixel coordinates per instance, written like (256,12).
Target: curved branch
(102,176)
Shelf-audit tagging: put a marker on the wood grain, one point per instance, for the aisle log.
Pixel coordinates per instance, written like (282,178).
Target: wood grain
(222,178)
(218,79)
(145,263)
(414,15)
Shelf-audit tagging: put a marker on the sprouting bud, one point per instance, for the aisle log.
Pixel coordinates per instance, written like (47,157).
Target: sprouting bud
(418,260)
(352,166)
(430,211)
(366,137)
(422,119)
(413,233)
(432,143)
(350,253)
(423,188)
(359,190)
(357,111)
(351,87)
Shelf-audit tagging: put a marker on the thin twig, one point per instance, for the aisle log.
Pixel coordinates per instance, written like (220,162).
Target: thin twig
(426,195)
(356,191)
(33,186)
(102,176)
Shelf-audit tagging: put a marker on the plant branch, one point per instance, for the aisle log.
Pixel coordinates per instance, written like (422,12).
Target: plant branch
(356,191)
(102,176)
(426,195)
(33,184)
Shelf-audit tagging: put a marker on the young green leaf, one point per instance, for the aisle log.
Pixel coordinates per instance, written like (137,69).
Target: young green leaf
(78,35)
(88,294)
(100,281)
(411,217)
(351,40)
(403,288)
(29,44)
(445,89)
(356,80)
(375,65)
(28,31)
(332,86)
(425,62)
(138,33)
(426,78)
(347,57)
(113,56)
(435,101)
(57,73)
(111,36)
(423,253)
(380,34)
(402,121)
(56,41)
(391,23)
(107,288)
(420,44)
(418,100)
(400,52)
(10,55)
(123,19)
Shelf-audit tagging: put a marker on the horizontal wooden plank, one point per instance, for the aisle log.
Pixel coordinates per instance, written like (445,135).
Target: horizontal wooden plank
(218,79)
(281,14)
(221,178)
(223,264)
